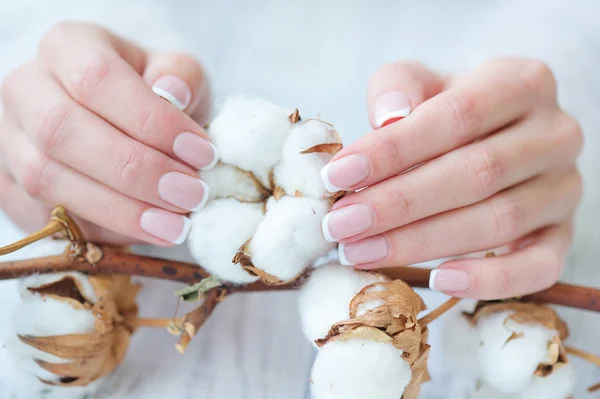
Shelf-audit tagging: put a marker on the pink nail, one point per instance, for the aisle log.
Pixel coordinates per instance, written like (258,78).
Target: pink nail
(174,90)
(165,225)
(390,107)
(347,222)
(369,250)
(345,172)
(449,280)
(196,151)
(183,191)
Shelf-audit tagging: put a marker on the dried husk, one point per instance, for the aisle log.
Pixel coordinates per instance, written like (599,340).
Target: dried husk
(393,322)
(525,313)
(92,355)
(244,258)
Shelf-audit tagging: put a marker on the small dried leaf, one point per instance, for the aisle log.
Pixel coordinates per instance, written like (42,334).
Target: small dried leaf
(66,288)
(278,192)
(70,346)
(298,194)
(513,336)
(419,375)
(332,198)
(295,116)
(366,333)
(196,291)
(326,148)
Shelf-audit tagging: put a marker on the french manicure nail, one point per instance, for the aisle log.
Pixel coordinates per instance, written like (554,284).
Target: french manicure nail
(165,225)
(369,250)
(196,151)
(449,280)
(347,222)
(174,90)
(391,107)
(345,172)
(184,191)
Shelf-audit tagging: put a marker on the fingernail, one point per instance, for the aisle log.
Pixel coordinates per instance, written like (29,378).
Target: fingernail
(347,222)
(449,280)
(183,191)
(369,250)
(345,172)
(165,225)
(174,90)
(390,108)
(195,151)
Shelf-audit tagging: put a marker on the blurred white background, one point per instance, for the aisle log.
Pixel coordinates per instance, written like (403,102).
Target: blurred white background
(317,56)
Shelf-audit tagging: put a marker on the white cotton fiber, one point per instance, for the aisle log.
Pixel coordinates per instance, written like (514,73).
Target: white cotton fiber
(290,238)
(460,344)
(218,231)
(250,134)
(359,369)
(227,181)
(558,385)
(509,366)
(302,172)
(325,297)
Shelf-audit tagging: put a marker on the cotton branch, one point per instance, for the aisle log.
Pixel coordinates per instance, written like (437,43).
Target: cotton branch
(114,260)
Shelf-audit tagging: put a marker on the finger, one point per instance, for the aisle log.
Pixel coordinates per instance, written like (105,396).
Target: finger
(531,269)
(54,183)
(462,114)
(396,89)
(180,79)
(492,223)
(74,136)
(459,178)
(97,77)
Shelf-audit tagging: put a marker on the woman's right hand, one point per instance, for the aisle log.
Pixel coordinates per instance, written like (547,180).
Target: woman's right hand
(83,127)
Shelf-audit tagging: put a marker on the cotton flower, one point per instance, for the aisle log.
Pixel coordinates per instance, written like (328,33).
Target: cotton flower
(310,146)
(250,134)
(289,238)
(359,369)
(325,297)
(218,231)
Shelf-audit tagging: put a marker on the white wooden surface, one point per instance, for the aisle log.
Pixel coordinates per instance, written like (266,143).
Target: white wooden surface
(318,55)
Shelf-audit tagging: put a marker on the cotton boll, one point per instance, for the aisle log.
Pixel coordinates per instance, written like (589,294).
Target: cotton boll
(325,297)
(302,172)
(218,231)
(290,238)
(359,369)
(460,344)
(558,385)
(250,134)
(228,181)
(508,364)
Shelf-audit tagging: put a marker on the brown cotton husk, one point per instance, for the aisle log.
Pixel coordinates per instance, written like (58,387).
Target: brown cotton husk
(244,258)
(91,355)
(326,148)
(393,322)
(530,314)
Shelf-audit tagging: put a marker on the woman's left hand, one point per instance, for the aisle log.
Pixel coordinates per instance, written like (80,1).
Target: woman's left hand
(485,159)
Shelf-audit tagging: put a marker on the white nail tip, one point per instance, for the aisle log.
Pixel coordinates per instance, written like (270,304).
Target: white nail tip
(169,97)
(401,113)
(432,276)
(325,228)
(343,260)
(324,176)
(187,224)
(215,159)
(204,198)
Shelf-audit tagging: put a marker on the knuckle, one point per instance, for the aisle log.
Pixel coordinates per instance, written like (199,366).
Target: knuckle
(11,85)
(538,77)
(572,134)
(87,82)
(508,218)
(129,167)
(462,113)
(36,176)
(50,128)
(484,171)
(153,118)
(60,31)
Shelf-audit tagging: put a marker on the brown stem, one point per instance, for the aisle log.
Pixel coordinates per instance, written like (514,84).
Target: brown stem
(114,260)
(194,320)
(153,323)
(594,388)
(437,312)
(584,355)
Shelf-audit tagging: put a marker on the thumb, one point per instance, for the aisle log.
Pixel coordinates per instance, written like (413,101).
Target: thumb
(180,79)
(396,89)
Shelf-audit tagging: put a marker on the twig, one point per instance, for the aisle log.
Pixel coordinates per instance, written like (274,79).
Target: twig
(594,388)
(115,260)
(584,355)
(437,312)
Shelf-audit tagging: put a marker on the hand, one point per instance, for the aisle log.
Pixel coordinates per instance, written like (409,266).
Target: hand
(484,160)
(83,128)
